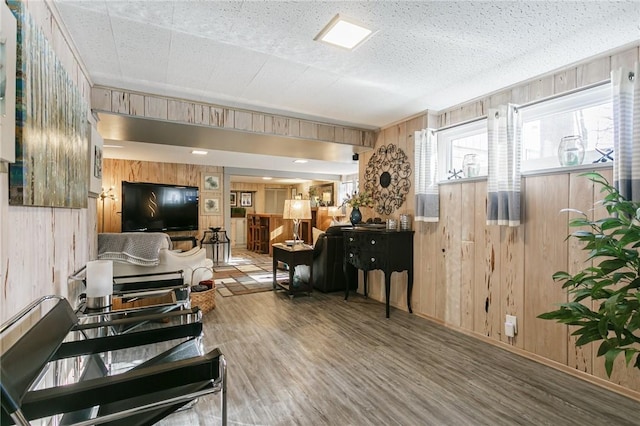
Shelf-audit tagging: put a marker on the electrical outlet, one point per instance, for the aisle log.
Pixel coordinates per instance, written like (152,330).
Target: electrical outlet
(512,320)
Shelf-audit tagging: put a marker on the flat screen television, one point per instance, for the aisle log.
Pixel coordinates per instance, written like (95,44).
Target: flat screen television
(156,207)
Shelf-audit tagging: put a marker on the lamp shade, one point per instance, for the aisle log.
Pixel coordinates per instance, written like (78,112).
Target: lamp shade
(336,211)
(297,209)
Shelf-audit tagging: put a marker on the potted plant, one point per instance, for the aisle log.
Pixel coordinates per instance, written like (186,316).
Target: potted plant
(612,282)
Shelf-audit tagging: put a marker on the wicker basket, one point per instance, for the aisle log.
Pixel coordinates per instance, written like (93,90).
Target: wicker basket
(205,300)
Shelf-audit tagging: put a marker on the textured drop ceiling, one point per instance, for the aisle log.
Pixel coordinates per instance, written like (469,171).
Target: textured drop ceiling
(261,54)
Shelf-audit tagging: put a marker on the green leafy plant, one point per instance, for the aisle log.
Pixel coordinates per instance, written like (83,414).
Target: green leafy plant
(612,282)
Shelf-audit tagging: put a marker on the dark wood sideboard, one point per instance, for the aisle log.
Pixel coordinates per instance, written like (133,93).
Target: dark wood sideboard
(375,248)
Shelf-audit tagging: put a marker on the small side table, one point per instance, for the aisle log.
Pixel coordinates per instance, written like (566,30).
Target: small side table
(299,254)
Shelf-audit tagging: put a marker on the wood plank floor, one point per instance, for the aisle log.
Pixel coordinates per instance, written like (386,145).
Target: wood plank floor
(321,361)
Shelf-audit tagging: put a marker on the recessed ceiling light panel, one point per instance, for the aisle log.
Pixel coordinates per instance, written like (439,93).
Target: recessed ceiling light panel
(344,32)
(199,152)
(301,161)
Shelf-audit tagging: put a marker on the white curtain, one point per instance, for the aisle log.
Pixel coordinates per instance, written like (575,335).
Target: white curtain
(626,133)
(504,127)
(426,175)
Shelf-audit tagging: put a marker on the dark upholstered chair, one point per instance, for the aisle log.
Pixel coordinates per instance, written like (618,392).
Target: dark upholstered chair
(328,254)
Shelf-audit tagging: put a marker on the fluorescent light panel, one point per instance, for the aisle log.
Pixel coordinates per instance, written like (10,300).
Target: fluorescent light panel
(344,32)
(199,152)
(301,161)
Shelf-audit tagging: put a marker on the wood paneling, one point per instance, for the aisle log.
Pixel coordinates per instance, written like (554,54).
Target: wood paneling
(546,252)
(115,171)
(581,197)
(469,275)
(184,111)
(41,246)
(594,70)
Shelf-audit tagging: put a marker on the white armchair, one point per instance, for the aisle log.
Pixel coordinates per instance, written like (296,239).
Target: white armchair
(194,264)
(140,253)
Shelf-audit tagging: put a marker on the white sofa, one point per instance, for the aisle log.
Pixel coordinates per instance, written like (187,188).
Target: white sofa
(195,265)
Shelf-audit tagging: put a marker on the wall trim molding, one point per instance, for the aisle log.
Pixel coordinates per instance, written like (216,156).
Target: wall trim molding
(165,108)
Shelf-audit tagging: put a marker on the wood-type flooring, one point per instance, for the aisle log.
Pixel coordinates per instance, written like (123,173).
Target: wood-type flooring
(319,360)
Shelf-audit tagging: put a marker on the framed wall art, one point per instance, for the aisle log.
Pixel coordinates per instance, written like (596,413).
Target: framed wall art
(210,204)
(210,182)
(52,162)
(95,166)
(232,199)
(246,199)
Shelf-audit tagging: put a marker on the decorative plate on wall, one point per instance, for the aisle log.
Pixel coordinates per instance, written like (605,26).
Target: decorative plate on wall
(387,178)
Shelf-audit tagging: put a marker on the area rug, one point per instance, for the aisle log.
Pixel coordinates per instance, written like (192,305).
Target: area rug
(246,273)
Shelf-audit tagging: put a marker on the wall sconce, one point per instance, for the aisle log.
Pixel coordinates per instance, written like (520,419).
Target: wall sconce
(103,195)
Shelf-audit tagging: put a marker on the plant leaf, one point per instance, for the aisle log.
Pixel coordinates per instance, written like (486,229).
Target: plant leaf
(609,358)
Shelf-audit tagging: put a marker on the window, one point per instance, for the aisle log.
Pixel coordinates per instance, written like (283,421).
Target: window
(346,188)
(456,143)
(588,114)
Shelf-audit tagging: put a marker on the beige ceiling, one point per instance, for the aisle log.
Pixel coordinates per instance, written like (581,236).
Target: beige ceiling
(261,55)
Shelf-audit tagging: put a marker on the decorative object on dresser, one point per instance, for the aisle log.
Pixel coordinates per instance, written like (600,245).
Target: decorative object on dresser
(355,201)
(378,248)
(387,178)
(296,210)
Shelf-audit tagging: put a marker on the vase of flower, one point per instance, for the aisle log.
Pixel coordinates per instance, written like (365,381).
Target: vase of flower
(357,200)
(356,216)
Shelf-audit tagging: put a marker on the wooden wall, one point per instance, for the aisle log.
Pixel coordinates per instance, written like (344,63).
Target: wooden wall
(468,275)
(164,108)
(41,246)
(114,171)
(258,190)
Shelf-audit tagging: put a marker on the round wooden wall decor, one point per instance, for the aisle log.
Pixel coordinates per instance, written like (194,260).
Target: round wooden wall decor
(387,178)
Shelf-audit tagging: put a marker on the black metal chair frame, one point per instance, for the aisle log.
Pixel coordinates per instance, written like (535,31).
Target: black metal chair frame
(140,396)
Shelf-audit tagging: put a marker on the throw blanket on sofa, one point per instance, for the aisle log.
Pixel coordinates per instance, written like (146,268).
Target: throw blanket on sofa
(133,247)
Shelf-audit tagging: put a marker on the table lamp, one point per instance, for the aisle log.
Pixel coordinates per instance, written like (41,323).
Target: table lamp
(296,210)
(336,212)
(327,198)
(99,281)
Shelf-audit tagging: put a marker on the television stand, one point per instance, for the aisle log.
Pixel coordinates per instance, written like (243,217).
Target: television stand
(193,240)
